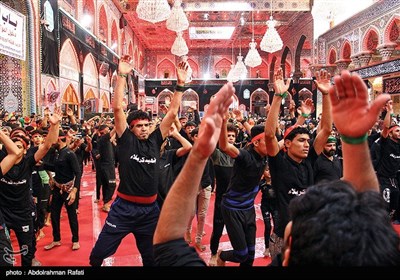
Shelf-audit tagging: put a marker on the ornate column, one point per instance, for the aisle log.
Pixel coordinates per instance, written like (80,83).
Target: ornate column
(364,57)
(386,50)
(342,64)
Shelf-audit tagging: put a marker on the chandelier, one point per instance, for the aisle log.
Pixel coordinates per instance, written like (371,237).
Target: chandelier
(240,70)
(232,75)
(271,42)
(153,10)
(179,46)
(177,21)
(253,58)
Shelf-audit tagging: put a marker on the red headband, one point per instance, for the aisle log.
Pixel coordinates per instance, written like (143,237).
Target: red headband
(133,122)
(257,137)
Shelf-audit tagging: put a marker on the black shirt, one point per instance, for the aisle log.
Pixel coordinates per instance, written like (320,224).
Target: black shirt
(139,163)
(325,169)
(244,184)
(389,162)
(106,150)
(66,167)
(290,179)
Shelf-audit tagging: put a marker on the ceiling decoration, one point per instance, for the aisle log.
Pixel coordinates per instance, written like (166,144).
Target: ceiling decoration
(204,15)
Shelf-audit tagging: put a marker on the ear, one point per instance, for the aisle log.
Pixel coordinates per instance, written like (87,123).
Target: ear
(287,143)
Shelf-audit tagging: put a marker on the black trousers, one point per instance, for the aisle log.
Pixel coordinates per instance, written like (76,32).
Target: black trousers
(107,179)
(218,225)
(6,254)
(58,200)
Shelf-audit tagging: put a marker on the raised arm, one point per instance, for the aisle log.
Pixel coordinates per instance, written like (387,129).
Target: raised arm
(323,84)
(280,87)
(52,137)
(124,68)
(172,113)
(387,122)
(186,145)
(354,116)
(181,199)
(224,145)
(12,153)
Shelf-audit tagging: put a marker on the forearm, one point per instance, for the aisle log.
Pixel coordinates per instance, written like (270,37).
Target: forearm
(271,123)
(9,144)
(358,169)
(174,216)
(52,136)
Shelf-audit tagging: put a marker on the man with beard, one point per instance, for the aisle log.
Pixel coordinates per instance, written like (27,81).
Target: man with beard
(328,166)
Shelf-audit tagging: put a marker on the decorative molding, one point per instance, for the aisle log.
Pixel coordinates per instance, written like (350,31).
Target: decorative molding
(381,69)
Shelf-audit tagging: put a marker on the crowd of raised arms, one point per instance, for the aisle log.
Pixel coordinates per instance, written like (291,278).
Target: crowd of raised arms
(329,185)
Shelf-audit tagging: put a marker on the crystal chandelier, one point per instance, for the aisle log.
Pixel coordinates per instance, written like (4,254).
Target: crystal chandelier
(271,42)
(253,58)
(177,21)
(240,70)
(179,46)
(153,10)
(231,75)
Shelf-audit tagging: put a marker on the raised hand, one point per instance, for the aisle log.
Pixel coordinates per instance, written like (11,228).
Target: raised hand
(181,72)
(352,114)
(323,81)
(210,127)
(56,116)
(125,64)
(280,86)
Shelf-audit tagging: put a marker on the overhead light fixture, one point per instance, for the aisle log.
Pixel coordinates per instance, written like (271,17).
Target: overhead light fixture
(253,58)
(179,46)
(271,42)
(240,69)
(153,10)
(177,21)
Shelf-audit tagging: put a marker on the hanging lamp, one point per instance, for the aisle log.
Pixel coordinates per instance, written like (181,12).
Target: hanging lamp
(179,46)
(153,10)
(253,58)
(177,21)
(271,42)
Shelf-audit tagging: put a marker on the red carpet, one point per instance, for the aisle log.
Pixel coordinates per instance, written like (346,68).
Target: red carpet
(91,220)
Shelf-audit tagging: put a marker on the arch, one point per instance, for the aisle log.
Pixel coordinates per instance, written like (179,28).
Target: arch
(89,70)
(297,55)
(392,30)
(272,69)
(164,98)
(286,52)
(346,50)
(103,25)
(114,37)
(70,97)
(195,68)
(88,9)
(371,39)
(222,67)
(69,56)
(90,94)
(258,100)
(106,103)
(190,98)
(130,49)
(332,57)
(163,66)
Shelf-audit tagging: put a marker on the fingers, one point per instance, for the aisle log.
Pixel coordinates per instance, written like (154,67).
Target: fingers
(359,86)
(378,103)
(340,91)
(347,80)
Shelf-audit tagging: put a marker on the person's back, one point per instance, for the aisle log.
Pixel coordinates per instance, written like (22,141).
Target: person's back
(333,225)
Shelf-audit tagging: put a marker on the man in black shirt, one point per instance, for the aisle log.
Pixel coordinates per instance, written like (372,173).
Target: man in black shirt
(66,182)
(7,162)
(328,166)
(135,209)
(16,202)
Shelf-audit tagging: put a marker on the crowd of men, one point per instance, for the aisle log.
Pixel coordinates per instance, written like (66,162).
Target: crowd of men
(321,186)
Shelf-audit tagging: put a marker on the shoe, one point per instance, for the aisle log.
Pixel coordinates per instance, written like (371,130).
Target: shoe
(52,245)
(200,246)
(75,246)
(267,254)
(213,260)
(188,237)
(35,262)
(106,208)
(220,262)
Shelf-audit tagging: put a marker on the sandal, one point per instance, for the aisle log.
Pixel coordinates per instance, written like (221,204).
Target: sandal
(75,246)
(52,245)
